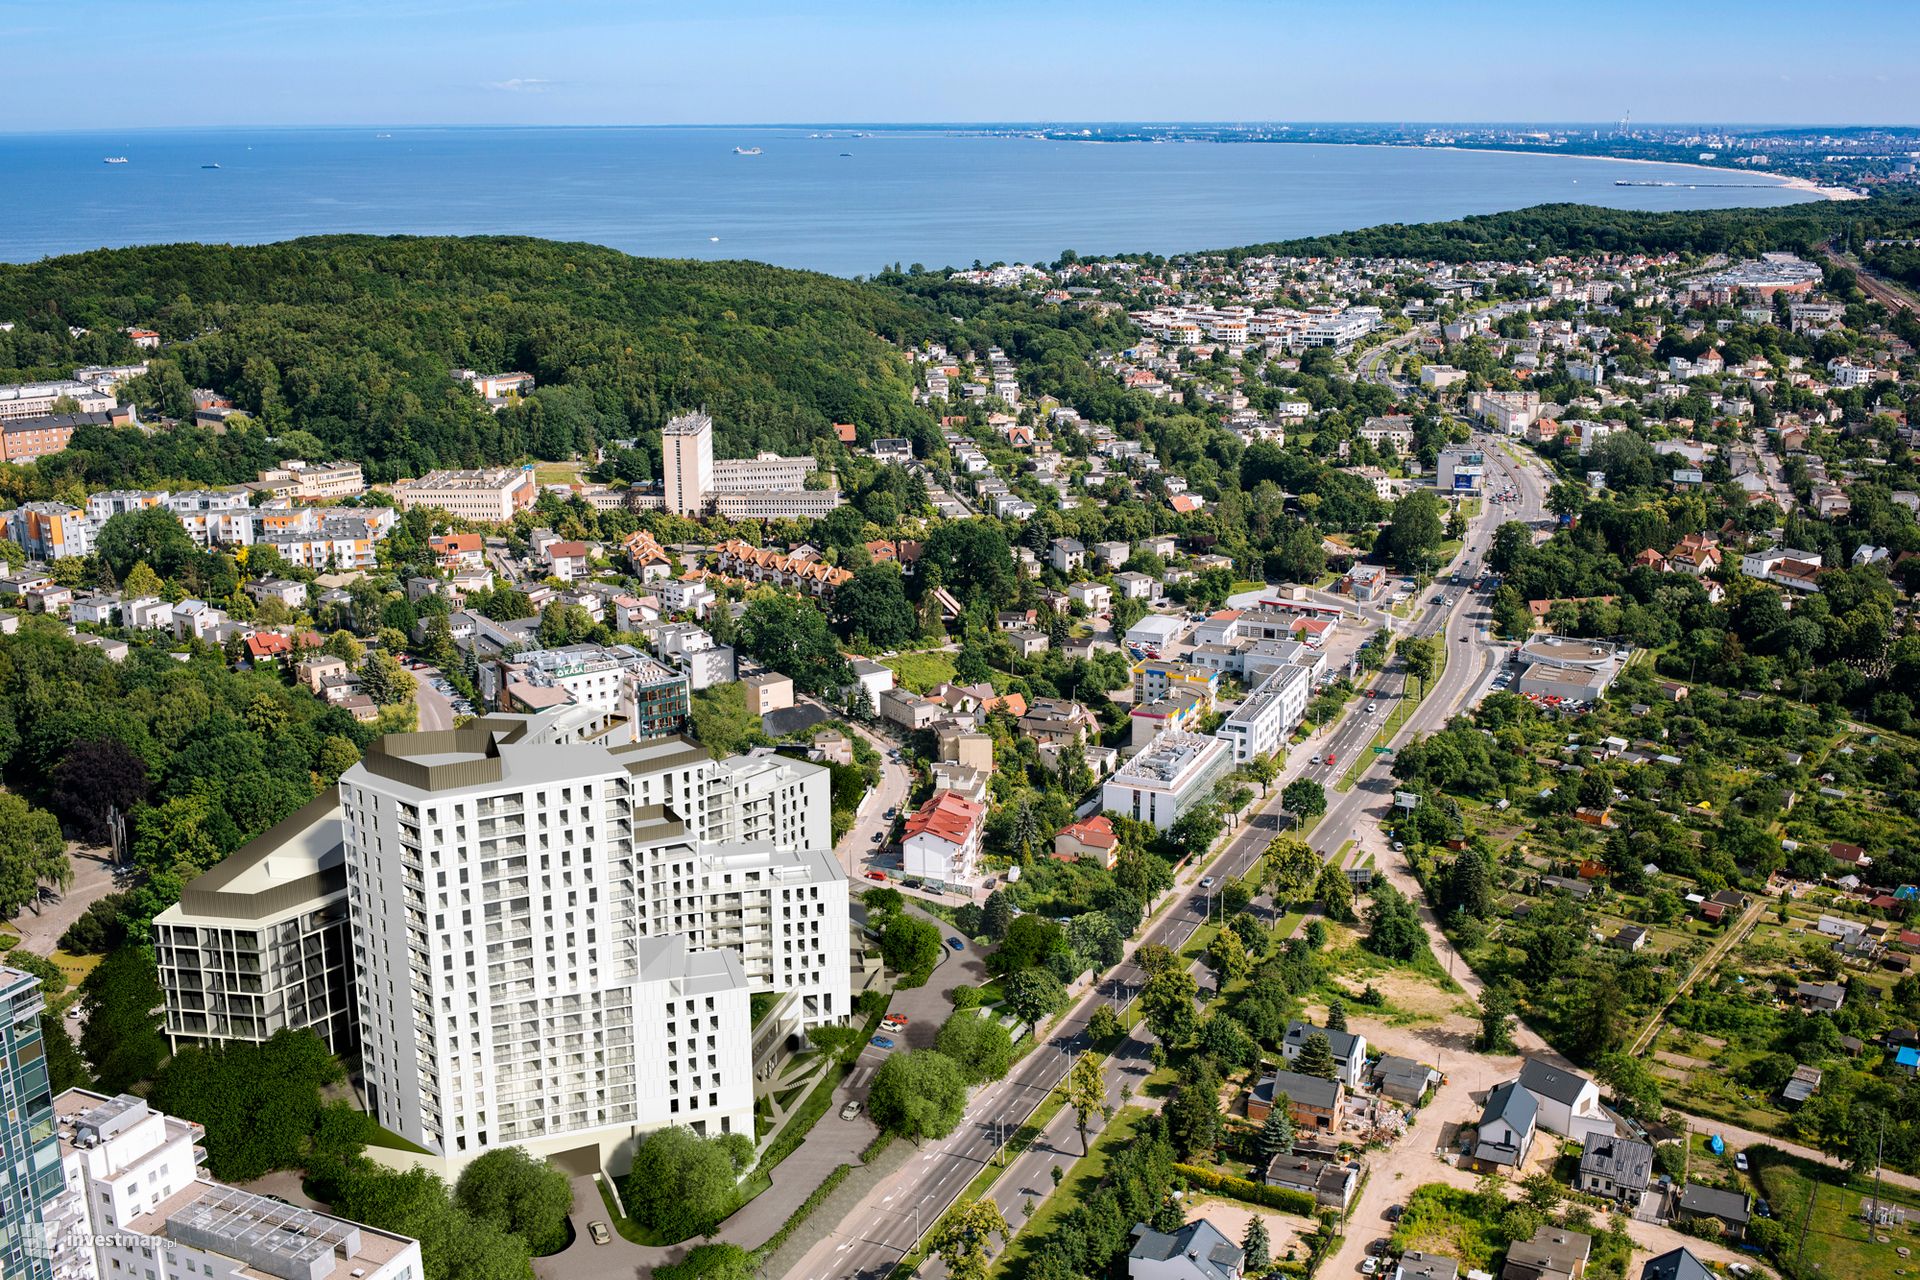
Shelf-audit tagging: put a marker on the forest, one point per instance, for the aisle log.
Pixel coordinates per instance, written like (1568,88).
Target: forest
(347,343)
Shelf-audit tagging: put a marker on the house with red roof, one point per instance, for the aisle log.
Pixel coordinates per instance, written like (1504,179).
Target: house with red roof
(457,550)
(1092,838)
(941,841)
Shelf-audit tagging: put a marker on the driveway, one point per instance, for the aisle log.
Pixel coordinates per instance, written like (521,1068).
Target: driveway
(41,923)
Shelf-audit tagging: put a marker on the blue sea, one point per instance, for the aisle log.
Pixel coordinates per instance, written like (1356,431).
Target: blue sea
(842,201)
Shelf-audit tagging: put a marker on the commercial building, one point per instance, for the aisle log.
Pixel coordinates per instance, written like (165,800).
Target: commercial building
(1570,669)
(29,1145)
(764,487)
(313,482)
(779,504)
(38,399)
(1461,470)
(1262,722)
(1170,775)
(492,494)
(623,683)
(554,954)
(259,944)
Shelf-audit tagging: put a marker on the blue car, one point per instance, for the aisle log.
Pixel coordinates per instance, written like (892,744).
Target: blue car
(881,1042)
(956,944)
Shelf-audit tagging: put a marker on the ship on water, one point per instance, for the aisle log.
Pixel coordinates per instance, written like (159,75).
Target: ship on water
(746,151)
(114,160)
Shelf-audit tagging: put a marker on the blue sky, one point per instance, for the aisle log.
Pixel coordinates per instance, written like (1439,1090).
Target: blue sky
(84,64)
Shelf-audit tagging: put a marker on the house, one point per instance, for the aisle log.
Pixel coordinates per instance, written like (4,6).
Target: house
(1803,1084)
(1554,1253)
(458,550)
(1824,996)
(1506,1128)
(1137,586)
(1404,1079)
(941,840)
(1617,1168)
(1314,1104)
(1675,1264)
(1630,938)
(1028,643)
(1197,1251)
(1091,838)
(288,592)
(769,691)
(1067,555)
(569,560)
(1095,597)
(1418,1265)
(1349,1050)
(1565,1098)
(1728,1208)
(1330,1182)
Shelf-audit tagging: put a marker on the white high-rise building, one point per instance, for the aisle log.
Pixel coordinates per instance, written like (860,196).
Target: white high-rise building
(549,953)
(686,455)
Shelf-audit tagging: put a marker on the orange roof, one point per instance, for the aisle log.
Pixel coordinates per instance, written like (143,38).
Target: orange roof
(453,544)
(566,550)
(948,816)
(846,432)
(1095,832)
(1224,615)
(268,644)
(1186,502)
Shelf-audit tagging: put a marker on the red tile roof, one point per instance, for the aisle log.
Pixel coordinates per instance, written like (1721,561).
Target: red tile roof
(948,816)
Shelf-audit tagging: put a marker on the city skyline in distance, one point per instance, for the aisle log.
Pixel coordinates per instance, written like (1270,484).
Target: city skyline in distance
(511,62)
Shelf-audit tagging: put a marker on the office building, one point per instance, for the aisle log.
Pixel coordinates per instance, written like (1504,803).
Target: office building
(492,494)
(1174,772)
(259,944)
(30,1173)
(1262,722)
(764,487)
(553,953)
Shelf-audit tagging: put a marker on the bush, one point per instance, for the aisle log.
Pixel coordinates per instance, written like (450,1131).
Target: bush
(101,929)
(681,1184)
(518,1194)
(978,1043)
(1285,1199)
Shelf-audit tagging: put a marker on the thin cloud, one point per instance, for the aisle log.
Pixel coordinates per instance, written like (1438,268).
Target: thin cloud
(520,84)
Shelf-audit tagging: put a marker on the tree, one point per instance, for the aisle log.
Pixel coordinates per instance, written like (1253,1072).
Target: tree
(142,582)
(66,1069)
(1336,1014)
(1335,894)
(453,1246)
(964,1240)
(1256,1245)
(1415,532)
(790,635)
(918,1094)
(996,915)
(1496,1021)
(981,1046)
(1030,941)
(1276,1131)
(1228,956)
(1421,655)
(518,1194)
(1393,926)
(681,1184)
(1291,866)
(1104,1024)
(31,851)
(1316,1057)
(1166,1002)
(1086,1093)
(152,536)
(260,1103)
(385,680)
(1304,798)
(874,605)
(122,1041)
(1035,995)
(909,944)
(1193,1112)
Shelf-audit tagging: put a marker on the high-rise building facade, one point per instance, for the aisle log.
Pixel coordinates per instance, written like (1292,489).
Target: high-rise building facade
(30,1174)
(686,459)
(552,955)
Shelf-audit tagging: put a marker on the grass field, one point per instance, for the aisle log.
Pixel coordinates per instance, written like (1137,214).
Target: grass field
(1838,1242)
(556,473)
(920,671)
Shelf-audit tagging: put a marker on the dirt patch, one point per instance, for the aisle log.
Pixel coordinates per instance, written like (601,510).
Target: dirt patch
(1681,1060)
(1232,1217)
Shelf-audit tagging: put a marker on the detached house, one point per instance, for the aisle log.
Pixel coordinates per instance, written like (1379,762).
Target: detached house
(1349,1050)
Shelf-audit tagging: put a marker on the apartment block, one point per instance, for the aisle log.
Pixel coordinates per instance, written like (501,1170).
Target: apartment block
(493,494)
(29,1145)
(51,530)
(1262,722)
(37,399)
(259,944)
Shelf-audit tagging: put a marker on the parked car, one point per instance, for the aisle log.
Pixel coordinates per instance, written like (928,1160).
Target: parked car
(894,1021)
(956,944)
(876,875)
(1394,1211)
(1740,1161)
(881,1042)
(600,1233)
(851,1110)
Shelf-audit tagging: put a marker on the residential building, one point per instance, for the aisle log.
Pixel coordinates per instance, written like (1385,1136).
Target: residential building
(1404,1079)
(691,650)
(1174,772)
(1614,1167)
(1157,678)
(1415,1264)
(1090,838)
(492,494)
(1729,1208)
(1676,1264)
(1553,1253)
(259,944)
(29,1142)
(768,691)
(1262,722)
(1058,722)
(37,399)
(941,840)
(768,799)
(25,439)
(1197,1251)
(1349,1049)
(559,960)
(802,570)
(1314,1103)
(1506,1128)
(1569,1102)
(1330,1182)
(51,530)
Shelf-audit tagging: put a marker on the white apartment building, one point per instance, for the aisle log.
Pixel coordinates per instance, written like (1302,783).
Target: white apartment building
(314,482)
(686,456)
(1171,774)
(773,800)
(1261,723)
(762,471)
(492,494)
(36,399)
(552,957)
(259,944)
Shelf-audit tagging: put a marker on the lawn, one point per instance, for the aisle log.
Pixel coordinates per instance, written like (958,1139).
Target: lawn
(1448,1220)
(556,473)
(920,671)
(1837,1242)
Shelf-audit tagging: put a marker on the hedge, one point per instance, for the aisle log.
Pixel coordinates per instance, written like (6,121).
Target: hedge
(1286,1199)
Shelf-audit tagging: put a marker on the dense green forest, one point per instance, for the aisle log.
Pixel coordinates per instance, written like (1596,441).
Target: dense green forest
(351,339)
(1549,230)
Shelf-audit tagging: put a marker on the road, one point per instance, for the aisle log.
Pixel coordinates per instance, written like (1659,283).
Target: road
(896,781)
(436,712)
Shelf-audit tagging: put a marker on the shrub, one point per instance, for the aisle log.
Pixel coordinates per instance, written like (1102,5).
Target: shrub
(1285,1199)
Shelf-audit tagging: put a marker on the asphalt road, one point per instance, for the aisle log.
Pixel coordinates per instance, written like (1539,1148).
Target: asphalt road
(885,1226)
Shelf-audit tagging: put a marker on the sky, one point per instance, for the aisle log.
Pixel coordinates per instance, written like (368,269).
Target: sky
(117,64)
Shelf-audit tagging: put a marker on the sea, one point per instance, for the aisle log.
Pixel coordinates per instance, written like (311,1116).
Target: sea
(838,200)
